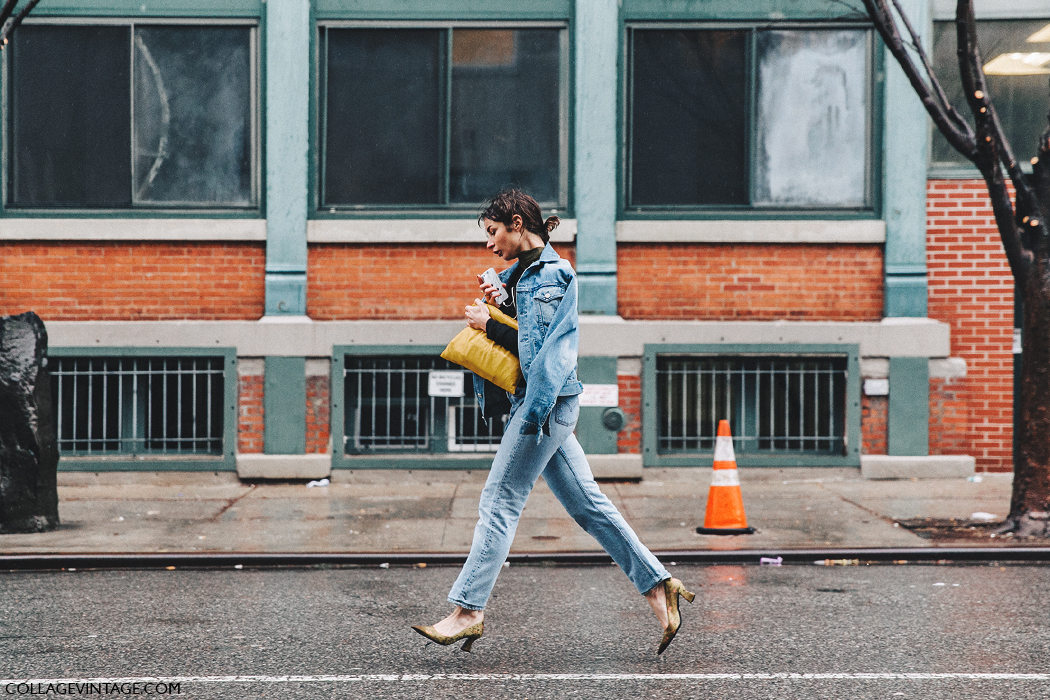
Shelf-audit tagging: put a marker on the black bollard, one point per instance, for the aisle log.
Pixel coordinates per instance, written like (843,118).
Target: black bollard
(28,443)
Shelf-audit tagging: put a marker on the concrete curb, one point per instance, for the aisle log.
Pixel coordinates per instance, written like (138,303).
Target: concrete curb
(909,555)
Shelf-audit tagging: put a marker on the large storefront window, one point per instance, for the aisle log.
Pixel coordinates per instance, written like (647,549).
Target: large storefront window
(440,117)
(753,117)
(1016,57)
(126,115)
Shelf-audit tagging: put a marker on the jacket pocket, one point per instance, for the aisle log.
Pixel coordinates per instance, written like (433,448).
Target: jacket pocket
(547,300)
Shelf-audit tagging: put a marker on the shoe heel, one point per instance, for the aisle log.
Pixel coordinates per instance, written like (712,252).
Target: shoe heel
(469,643)
(687,595)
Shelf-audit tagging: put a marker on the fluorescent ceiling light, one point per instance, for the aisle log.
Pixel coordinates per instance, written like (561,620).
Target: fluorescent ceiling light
(1018,64)
(1042,36)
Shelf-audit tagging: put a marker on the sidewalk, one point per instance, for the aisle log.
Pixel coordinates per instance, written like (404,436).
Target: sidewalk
(435,512)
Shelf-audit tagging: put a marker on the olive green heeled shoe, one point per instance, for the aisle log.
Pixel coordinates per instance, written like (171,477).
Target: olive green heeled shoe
(672,589)
(470,634)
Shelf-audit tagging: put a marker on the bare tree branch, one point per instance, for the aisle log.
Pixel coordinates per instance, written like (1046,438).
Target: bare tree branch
(8,24)
(976,84)
(8,9)
(938,90)
(992,145)
(886,25)
(995,148)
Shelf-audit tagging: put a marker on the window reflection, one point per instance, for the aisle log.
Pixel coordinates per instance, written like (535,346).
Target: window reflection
(1017,62)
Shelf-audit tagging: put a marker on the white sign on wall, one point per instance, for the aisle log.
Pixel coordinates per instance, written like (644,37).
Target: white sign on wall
(600,395)
(448,384)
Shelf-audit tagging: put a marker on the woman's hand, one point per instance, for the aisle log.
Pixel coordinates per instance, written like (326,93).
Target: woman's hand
(478,315)
(489,292)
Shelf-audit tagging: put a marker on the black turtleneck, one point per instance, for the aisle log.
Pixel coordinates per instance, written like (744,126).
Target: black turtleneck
(497,332)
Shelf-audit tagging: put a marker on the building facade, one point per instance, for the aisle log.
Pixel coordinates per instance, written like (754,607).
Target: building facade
(250,229)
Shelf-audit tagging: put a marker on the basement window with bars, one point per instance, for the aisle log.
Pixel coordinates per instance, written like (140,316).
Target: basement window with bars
(139,406)
(774,404)
(389,409)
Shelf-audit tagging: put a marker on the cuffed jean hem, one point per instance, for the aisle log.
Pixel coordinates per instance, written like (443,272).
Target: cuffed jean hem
(465,606)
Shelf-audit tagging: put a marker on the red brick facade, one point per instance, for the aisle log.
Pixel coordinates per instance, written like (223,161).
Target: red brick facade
(873,434)
(971,288)
(949,417)
(111,281)
(318,400)
(250,414)
(629,440)
(397,281)
(754,281)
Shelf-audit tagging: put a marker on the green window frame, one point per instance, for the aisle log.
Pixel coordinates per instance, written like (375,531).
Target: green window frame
(640,17)
(429,20)
(117,388)
(240,14)
(847,354)
(432,435)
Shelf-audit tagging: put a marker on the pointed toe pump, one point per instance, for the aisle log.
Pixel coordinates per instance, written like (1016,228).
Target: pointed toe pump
(470,634)
(672,589)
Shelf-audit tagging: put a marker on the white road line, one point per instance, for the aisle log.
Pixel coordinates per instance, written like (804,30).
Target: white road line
(422,677)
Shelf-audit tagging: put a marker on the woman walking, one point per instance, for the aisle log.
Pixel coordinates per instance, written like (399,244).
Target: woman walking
(538,438)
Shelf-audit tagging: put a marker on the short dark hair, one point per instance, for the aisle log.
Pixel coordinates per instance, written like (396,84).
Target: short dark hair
(511,201)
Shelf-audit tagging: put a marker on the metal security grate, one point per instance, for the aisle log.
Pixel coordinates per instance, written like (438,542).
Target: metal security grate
(468,431)
(138,405)
(388,408)
(773,404)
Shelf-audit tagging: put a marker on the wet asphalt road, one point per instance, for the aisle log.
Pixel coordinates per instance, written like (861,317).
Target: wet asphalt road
(543,621)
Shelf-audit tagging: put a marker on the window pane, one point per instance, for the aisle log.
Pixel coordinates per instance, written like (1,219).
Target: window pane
(1016,82)
(688,118)
(71,141)
(383,121)
(505,113)
(812,118)
(193,115)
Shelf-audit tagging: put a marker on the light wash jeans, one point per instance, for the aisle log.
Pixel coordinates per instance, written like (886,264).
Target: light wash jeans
(519,461)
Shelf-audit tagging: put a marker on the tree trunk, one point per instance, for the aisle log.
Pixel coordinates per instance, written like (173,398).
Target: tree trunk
(28,443)
(1030,505)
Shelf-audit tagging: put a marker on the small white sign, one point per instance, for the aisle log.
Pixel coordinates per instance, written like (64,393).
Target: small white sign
(448,384)
(1017,341)
(876,387)
(600,395)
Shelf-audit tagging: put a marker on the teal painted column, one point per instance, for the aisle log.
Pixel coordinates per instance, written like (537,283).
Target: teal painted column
(908,422)
(905,149)
(597,31)
(284,406)
(287,141)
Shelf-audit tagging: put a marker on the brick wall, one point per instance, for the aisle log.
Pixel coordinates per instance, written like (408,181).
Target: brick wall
(949,417)
(873,413)
(397,281)
(629,440)
(761,282)
(250,413)
(971,288)
(317,415)
(112,281)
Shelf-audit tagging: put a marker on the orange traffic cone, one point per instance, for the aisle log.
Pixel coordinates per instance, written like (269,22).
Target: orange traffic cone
(725,503)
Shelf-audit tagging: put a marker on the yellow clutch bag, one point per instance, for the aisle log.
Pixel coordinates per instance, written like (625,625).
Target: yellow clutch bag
(473,350)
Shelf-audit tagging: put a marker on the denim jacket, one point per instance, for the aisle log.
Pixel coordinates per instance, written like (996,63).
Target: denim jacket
(548,337)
